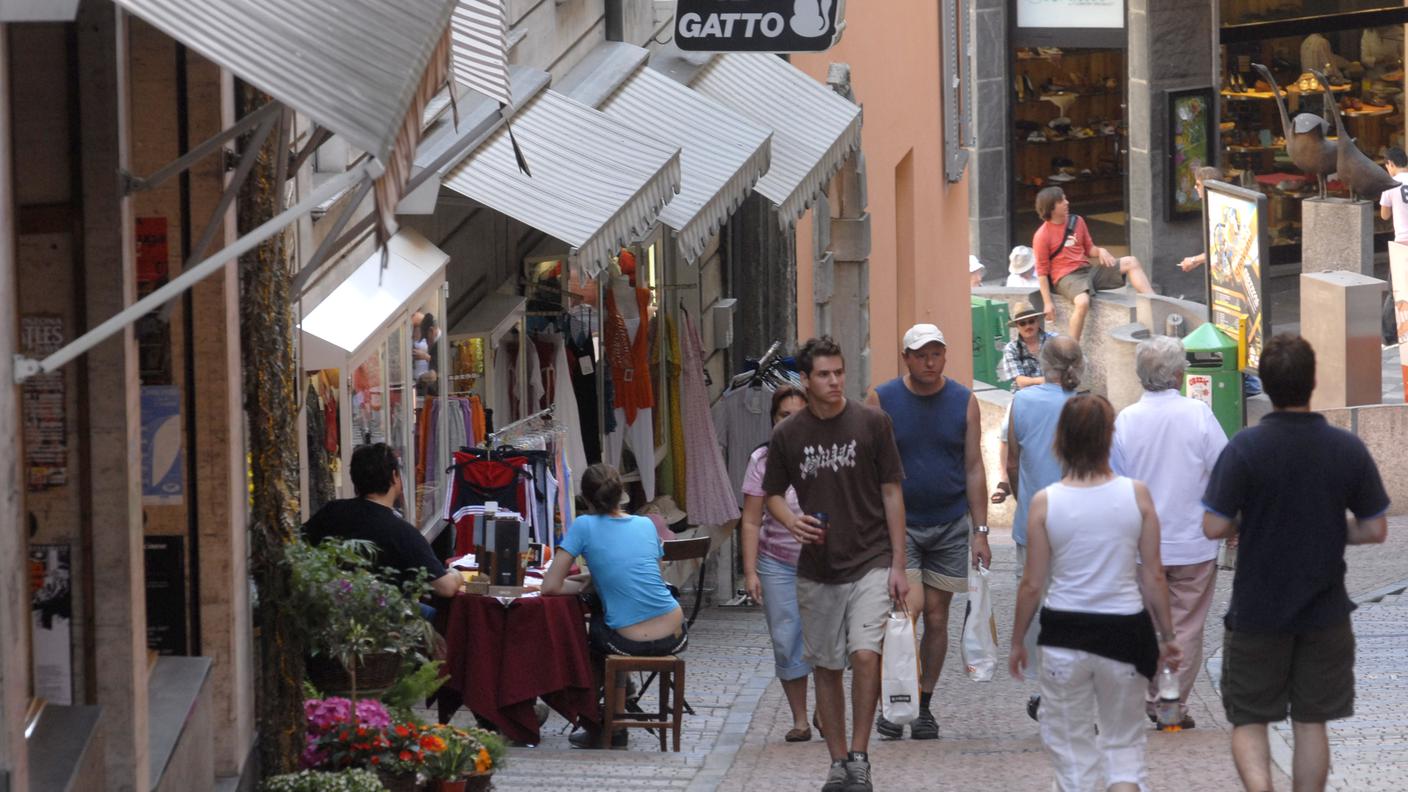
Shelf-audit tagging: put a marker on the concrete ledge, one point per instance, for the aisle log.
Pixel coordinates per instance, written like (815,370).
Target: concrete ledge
(181,738)
(1124,389)
(65,750)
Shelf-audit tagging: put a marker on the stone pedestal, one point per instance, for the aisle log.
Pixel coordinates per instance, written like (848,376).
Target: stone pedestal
(1340,317)
(1337,235)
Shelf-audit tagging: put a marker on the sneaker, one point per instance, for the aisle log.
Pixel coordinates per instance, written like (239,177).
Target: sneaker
(888,730)
(924,727)
(836,778)
(591,738)
(1034,707)
(858,774)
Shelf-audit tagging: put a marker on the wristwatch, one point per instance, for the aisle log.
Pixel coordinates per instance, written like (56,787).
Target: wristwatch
(981,529)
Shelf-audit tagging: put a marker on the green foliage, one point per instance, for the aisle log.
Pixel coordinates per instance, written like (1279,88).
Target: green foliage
(413,688)
(347,610)
(494,744)
(355,780)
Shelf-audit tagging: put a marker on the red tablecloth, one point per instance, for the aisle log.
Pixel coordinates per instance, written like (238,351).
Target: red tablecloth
(502,658)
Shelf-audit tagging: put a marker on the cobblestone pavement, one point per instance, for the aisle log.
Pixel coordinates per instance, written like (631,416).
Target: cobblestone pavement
(734,742)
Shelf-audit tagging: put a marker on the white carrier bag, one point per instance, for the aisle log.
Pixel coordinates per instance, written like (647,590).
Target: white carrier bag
(899,677)
(979,628)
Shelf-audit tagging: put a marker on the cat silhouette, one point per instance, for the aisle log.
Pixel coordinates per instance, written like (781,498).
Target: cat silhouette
(809,17)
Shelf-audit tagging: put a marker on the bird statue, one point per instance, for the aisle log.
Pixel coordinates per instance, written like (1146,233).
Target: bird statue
(1306,144)
(1363,176)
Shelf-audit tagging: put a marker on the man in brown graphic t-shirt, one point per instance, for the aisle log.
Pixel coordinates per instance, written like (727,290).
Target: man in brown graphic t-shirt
(842,459)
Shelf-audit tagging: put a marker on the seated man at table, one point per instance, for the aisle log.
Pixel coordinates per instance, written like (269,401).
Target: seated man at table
(372,516)
(623,551)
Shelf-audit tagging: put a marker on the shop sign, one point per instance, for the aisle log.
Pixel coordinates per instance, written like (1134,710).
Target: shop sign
(1079,14)
(758,25)
(45,405)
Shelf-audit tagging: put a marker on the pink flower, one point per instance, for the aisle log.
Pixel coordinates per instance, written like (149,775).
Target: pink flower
(371,713)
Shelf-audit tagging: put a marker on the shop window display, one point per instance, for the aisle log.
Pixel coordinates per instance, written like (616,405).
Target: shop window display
(1070,131)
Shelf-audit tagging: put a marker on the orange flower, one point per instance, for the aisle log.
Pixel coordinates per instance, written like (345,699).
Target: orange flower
(432,743)
(482,762)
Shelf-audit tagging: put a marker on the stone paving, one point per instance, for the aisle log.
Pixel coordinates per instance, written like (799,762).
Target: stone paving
(734,742)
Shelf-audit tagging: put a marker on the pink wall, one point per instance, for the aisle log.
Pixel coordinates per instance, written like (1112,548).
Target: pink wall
(919,222)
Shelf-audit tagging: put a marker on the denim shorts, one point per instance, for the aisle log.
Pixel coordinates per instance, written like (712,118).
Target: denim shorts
(779,581)
(606,641)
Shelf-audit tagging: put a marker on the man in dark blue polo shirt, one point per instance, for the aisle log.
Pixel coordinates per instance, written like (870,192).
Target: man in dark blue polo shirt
(1283,487)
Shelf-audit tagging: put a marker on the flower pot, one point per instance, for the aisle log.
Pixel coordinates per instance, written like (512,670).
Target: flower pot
(375,674)
(398,782)
(441,785)
(479,782)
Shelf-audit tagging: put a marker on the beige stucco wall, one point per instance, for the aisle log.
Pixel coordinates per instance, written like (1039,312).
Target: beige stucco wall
(918,273)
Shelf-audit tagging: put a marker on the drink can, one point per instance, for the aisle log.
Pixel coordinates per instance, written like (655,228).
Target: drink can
(824,519)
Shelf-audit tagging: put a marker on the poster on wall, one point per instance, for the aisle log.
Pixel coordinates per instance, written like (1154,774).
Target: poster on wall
(162,468)
(44,410)
(51,628)
(1238,247)
(1189,148)
(165,560)
(1084,14)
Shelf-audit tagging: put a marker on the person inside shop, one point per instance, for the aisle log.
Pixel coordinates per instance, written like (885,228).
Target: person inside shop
(372,516)
(1200,175)
(1063,250)
(425,360)
(641,617)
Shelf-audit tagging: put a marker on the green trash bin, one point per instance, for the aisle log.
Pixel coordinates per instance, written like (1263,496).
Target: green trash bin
(1213,377)
(989,337)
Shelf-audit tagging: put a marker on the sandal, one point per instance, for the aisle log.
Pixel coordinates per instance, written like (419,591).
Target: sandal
(798,735)
(1003,490)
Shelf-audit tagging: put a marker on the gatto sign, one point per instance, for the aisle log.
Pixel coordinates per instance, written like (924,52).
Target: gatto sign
(758,25)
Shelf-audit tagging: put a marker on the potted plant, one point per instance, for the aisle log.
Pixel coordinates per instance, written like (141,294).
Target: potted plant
(361,625)
(327,715)
(402,757)
(354,780)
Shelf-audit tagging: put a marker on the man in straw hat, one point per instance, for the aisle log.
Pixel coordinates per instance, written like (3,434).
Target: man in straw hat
(1021,366)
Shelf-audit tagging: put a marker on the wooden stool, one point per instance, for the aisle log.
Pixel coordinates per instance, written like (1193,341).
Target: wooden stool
(671,673)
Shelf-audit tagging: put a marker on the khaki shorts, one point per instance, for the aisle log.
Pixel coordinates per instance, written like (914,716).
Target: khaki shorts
(1308,675)
(839,619)
(1090,279)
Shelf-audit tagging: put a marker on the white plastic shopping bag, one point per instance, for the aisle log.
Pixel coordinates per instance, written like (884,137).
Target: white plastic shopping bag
(979,628)
(899,678)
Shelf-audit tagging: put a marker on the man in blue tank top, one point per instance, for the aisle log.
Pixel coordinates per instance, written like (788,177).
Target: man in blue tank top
(939,433)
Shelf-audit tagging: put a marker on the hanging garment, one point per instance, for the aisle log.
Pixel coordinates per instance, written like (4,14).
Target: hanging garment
(320,486)
(564,401)
(584,371)
(640,438)
(478,431)
(503,404)
(674,467)
(710,497)
(629,356)
(742,421)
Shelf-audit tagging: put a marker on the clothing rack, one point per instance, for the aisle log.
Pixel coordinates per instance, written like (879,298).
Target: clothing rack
(492,436)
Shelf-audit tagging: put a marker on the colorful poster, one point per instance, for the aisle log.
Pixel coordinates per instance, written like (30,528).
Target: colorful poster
(1398,278)
(45,406)
(153,255)
(1190,124)
(51,609)
(162,468)
(1234,225)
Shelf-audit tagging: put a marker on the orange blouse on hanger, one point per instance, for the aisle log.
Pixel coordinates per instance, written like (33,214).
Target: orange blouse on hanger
(630,358)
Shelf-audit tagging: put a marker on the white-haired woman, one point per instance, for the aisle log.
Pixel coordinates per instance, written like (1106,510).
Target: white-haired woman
(1171,442)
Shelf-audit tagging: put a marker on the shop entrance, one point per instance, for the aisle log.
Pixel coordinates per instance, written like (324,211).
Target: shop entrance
(1068,109)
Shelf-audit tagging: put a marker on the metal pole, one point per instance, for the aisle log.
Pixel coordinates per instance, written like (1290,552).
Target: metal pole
(27,367)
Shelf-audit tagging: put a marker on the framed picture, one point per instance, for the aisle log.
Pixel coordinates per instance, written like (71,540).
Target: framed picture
(1238,249)
(1190,115)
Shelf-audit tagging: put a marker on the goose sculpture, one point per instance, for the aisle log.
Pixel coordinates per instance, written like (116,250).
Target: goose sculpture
(1363,176)
(1306,144)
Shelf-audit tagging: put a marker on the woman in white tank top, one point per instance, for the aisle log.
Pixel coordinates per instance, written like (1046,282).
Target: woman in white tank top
(1086,538)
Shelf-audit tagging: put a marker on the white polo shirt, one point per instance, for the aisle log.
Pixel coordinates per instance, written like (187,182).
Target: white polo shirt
(1395,200)
(1171,442)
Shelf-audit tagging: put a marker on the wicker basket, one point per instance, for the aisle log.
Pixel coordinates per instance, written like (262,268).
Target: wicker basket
(398,782)
(375,674)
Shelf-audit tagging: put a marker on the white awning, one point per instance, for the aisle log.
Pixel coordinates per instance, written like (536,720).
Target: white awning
(480,40)
(722,159)
(363,303)
(353,66)
(814,129)
(596,184)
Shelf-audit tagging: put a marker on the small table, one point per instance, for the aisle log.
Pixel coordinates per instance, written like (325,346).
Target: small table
(502,658)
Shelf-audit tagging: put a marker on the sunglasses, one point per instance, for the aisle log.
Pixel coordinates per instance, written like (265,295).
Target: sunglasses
(1025,322)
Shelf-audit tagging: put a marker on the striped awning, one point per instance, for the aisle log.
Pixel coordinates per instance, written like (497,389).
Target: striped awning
(480,31)
(353,66)
(596,184)
(814,129)
(722,158)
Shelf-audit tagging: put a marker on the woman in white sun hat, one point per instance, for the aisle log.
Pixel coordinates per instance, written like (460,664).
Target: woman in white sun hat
(1021,263)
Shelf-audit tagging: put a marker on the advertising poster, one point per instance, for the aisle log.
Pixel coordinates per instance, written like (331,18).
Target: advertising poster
(1398,278)
(51,604)
(162,468)
(165,560)
(1234,225)
(44,410)
(1190,139)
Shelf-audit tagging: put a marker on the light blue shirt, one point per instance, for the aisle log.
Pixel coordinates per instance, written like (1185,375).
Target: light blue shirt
(624,556)
(1035,411)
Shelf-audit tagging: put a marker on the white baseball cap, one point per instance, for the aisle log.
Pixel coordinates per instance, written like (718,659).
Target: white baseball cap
(974,265)
(919,335)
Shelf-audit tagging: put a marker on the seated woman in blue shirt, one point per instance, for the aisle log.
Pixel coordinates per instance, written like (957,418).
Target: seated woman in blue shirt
(623,552)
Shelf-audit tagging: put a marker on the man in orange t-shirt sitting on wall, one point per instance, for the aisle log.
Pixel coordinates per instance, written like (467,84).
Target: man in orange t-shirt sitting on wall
(1063,248)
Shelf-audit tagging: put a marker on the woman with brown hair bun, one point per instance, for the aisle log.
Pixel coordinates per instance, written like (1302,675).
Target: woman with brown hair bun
(1093,547)
(641,617)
